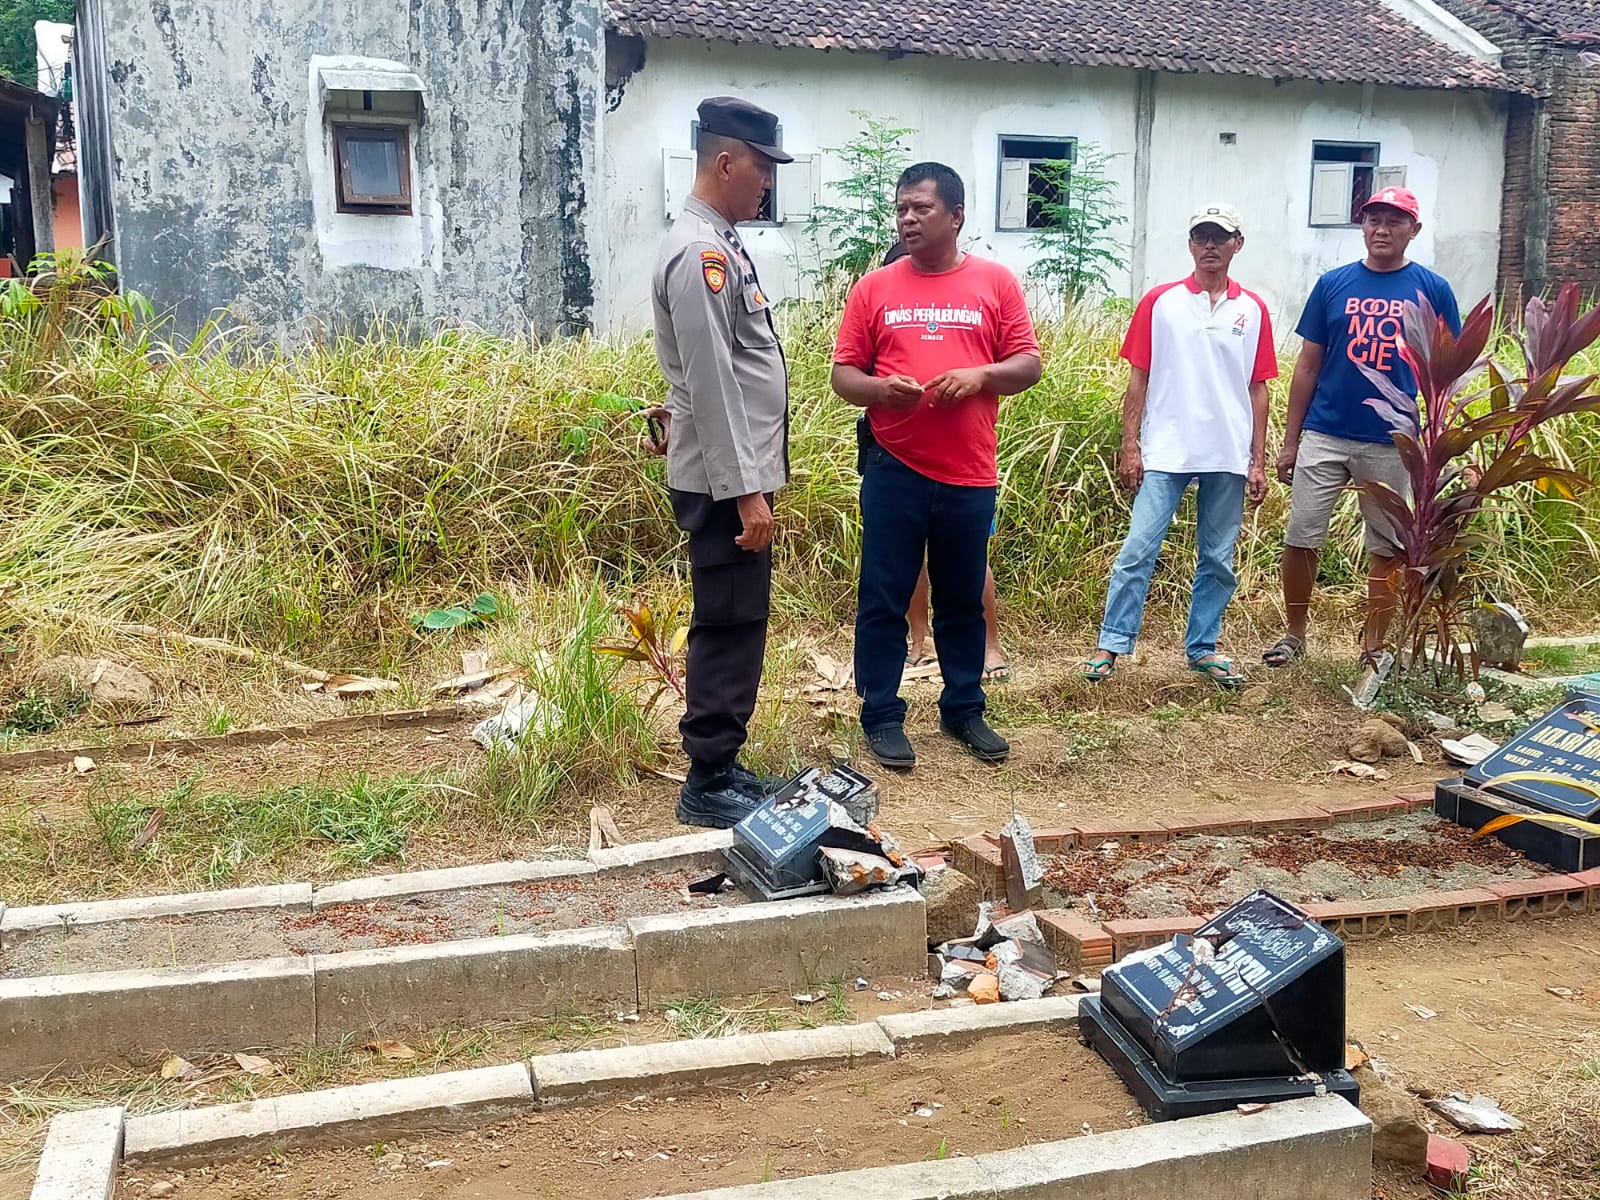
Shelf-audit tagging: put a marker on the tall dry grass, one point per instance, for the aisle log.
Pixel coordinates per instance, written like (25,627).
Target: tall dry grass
(314,498)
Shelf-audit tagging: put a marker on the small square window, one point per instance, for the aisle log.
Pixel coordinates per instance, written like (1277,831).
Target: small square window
(1034,174)
(372,167)
(769,205)
(1341,181)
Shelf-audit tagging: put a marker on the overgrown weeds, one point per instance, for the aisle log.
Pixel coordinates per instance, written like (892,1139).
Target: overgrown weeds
(311,501)
(193,836)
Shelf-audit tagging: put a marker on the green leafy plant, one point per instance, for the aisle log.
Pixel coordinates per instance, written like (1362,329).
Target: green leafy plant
(1077,247)
(1470,405)
(604,406)
(68,290)
(484,607)
(857,228)
(38,712)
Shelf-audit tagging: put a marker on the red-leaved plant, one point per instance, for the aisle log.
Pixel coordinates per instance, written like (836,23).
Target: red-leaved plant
(1470,403)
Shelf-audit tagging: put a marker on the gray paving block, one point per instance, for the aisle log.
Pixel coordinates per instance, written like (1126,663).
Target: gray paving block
(446,879)
(948,1028)
(781,945)
(668,854)
(18,924)
(590,1076)
(333,1117)
(81,1153)
(515,978)
(125,1018)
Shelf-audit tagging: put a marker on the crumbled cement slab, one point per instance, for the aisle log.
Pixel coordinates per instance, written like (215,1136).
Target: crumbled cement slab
(333,1117)
(590,1076)
(946,1028)
(81,1153)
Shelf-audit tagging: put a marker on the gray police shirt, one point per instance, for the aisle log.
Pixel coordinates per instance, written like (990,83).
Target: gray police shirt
(728,383)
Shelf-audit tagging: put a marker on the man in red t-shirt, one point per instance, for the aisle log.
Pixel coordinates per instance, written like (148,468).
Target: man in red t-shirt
(928,345)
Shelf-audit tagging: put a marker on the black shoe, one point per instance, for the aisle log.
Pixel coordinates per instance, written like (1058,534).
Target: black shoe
(759,786)
(889,745)
(974,733)
(714,800)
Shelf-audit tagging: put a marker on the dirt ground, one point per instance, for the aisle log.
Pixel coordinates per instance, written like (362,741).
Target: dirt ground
(1155,741)
(814,1123)
(533,907)
(1401,856)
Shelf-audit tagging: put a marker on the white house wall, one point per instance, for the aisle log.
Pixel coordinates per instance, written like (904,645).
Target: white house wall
(1451,145)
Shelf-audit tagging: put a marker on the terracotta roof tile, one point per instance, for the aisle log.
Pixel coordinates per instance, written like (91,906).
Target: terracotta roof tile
(1353,41)
(1576,21)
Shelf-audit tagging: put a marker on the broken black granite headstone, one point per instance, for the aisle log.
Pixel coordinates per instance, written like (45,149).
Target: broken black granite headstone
(1249,1009)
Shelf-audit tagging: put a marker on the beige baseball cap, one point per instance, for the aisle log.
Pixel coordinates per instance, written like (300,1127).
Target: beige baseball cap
(1225,215)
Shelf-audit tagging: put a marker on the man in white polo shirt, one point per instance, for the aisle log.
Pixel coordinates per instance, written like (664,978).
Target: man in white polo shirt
(1200,352)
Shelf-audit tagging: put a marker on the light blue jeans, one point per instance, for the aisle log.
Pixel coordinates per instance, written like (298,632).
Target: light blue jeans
(1219,514)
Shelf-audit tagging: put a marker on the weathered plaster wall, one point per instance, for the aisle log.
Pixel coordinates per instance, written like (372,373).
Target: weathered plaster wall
(210,116)
(1450,143)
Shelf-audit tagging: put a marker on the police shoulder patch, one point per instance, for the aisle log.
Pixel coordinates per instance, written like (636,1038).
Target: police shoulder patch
(716,274)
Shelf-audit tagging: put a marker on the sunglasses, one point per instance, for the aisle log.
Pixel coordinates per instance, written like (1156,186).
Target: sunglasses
(1218,238)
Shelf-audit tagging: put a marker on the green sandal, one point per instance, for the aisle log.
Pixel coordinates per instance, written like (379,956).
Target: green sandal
(1219,670)
(1101,666)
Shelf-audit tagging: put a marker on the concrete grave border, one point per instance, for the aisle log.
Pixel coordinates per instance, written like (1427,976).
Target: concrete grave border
(1084,945)
(668,854)
(91,1018)
(1319,1149)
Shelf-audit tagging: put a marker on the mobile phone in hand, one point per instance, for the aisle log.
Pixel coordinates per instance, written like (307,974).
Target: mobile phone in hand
(657,433)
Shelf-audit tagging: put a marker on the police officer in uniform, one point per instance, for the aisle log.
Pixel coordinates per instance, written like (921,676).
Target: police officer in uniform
(726,439)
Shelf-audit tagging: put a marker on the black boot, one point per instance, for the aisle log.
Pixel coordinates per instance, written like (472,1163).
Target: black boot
(748,781)
(712,797)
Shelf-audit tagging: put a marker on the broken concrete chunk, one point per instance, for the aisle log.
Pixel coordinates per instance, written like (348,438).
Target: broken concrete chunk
(852,871)
(951,899)
(1499,632)
(1020,859)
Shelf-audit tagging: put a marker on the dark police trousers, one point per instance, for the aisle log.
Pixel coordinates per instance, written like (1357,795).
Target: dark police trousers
(728,631)
(903,514)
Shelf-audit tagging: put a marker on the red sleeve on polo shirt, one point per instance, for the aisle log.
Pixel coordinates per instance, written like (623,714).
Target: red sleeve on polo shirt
(1016,323)
(1136,344)
(854,347)
(1266,366)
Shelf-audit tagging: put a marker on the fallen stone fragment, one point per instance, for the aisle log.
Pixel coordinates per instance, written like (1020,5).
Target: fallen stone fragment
(1398,1135)
(107,683)
(1475,1114)
(951,899)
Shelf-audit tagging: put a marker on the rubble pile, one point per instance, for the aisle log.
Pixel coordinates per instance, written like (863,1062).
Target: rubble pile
(1005,959)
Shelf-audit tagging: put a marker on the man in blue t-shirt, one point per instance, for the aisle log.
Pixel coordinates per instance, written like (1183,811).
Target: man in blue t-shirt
(1332,437)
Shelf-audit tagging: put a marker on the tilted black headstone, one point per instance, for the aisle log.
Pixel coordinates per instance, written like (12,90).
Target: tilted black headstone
(1563,746)
(1249,1008)
(1271,1001)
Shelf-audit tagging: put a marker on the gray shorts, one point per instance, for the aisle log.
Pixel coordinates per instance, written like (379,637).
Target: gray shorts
(1324,468)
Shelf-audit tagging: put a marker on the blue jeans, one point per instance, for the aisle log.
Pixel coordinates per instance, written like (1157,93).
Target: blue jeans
(1219,514)
(905,515)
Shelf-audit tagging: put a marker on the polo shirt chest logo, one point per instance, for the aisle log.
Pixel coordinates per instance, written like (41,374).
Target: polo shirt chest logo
(1241,324)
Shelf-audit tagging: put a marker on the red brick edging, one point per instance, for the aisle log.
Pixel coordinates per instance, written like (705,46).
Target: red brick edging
(1081,944)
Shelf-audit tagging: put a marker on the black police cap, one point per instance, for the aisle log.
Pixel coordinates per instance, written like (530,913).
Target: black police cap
(728,116)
